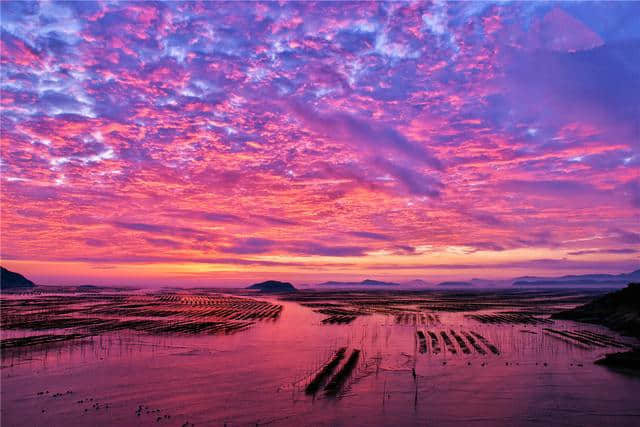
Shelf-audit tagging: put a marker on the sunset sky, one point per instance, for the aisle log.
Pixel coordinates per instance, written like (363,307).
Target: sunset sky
(224,143)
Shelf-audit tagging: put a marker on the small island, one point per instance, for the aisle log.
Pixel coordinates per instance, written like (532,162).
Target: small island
(273,286)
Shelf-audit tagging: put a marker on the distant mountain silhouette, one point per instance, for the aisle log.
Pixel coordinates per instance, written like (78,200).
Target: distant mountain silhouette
(11,280)
(273,286)
(366,282)
(578,280)
(455,284)
(582,279)
(418,283)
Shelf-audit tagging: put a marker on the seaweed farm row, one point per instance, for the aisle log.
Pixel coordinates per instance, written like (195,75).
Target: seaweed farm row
(417,318)
(454,342)
(339,315)
(38,340)
(424,307)
(92,327)
(333,383)
(88,315)
(339,318)
(509,318)
(394,302)
(227,307)
(585,339)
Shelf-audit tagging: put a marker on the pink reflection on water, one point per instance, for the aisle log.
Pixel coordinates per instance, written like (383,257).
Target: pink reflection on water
(258,375)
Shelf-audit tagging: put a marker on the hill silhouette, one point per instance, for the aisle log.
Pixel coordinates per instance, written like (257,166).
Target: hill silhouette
(619,311)
(12,280)
(273,286)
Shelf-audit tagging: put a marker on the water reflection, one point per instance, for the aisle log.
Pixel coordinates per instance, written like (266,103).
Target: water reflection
(260,374)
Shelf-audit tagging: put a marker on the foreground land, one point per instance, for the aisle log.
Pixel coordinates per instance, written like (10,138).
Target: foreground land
(94,356)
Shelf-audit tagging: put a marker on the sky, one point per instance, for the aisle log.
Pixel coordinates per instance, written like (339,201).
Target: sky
(219,143)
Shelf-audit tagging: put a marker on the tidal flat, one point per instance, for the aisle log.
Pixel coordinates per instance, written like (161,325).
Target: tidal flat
(371,357)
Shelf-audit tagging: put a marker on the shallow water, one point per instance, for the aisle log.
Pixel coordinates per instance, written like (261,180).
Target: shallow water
(259,375)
